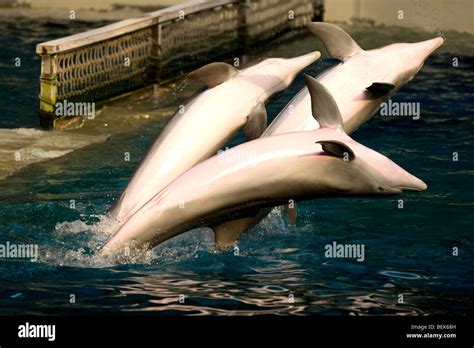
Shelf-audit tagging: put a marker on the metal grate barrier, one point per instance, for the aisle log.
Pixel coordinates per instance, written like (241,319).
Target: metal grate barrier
(105,62)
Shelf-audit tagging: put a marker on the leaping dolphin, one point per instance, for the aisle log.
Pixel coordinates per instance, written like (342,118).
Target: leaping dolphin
(299,165)
(235,99)
(359,84)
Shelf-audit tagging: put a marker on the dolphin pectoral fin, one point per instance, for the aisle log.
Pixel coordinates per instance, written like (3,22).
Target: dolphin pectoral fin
(323,105)
(256,122)
(380,89)
(214,74)
(338,43)
(226,234)
(291,212)
(337,149)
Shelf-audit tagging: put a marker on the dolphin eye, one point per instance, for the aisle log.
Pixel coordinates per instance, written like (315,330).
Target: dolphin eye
(381,188)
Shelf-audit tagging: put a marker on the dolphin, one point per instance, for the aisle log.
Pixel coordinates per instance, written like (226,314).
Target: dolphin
(234,99)
(359,84)
(300,165)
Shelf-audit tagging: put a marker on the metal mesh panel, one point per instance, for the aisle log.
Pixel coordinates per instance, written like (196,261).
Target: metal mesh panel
(197,39)
(105,68)
(266,17)
(93,66)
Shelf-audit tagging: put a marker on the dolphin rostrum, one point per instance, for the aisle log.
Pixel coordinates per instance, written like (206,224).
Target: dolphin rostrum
(234,99)
(299,165)
(362,81)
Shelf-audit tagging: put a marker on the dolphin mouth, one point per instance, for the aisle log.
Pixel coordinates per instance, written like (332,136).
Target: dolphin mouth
(312,56)
(429,46)
(305,60)
(438,42)
(417,187)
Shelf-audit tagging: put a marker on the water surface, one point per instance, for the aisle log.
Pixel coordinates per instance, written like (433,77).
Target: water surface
(278,268)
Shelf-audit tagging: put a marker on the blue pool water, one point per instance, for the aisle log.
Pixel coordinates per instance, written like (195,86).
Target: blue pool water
(280,268)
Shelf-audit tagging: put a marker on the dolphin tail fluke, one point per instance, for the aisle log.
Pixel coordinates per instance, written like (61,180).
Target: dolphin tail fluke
(323,105)
(338,43)
(214,74)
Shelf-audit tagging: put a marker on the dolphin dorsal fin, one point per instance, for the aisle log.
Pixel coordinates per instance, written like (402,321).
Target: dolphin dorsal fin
(323,105)
(214,74)
(338,43)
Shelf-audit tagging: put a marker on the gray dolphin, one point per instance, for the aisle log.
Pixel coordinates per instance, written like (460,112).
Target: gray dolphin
(301,165)
(359,84)
(208,122)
